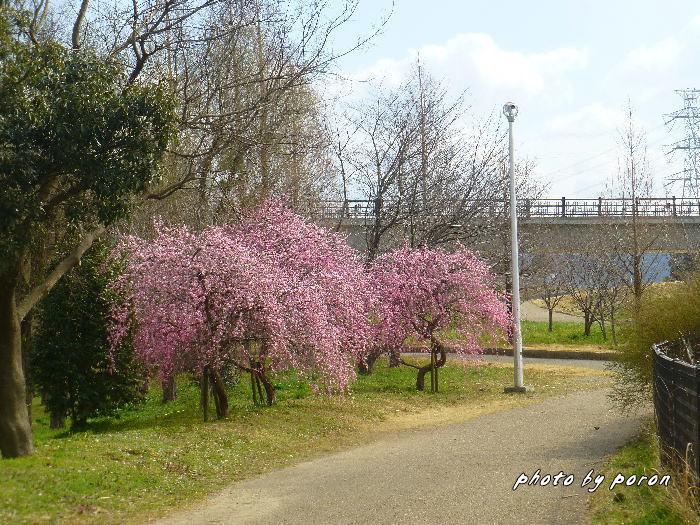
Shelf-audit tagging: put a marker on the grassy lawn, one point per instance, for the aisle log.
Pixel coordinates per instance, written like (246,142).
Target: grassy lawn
(562,333)
(641,505)
(157,457)
(537,333)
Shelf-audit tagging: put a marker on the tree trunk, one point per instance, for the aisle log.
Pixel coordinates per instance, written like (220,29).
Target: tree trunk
(601,323)
(551,312)
(26,327)
(587,322)
(637,280)
(253,386)
(204,392)
(220,395)
(365,366)
(15,430)
(269,387)
(394,358)
(434,364)
(57,421)
(169,391)
(256,373)
(258,385)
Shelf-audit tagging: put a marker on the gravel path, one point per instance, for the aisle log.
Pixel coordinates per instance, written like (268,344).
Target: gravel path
(460,473)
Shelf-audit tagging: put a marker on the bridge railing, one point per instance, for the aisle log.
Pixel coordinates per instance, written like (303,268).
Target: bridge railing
(563,207)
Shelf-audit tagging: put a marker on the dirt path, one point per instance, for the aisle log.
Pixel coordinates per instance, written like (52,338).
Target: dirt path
(529,311)
(459,473)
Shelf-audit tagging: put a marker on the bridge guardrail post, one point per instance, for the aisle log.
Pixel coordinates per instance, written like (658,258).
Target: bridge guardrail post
(563,206)
(673,200)
(600,205)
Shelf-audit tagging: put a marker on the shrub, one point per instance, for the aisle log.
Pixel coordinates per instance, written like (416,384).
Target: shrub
(72,367)
(670,314)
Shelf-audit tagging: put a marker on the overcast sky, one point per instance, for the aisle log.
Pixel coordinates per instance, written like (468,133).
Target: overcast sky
(569,65)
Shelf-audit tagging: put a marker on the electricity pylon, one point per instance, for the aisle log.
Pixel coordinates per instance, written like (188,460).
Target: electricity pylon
(689,115)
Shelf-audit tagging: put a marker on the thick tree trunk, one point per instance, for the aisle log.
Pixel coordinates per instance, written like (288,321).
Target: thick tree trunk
(365,367)
(169,390)
(15,430)
(220,396)
(394,358)
(551,311)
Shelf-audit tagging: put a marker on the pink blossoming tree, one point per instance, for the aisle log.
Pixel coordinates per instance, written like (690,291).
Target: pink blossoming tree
(332,286)
(274,293)
(423,291)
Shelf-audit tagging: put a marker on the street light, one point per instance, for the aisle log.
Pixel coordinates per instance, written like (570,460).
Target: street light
(510,110)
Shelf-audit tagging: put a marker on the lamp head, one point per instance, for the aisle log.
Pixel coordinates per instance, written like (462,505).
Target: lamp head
(510,110)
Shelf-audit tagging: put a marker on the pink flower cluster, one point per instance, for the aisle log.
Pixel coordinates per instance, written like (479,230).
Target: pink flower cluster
(277,292)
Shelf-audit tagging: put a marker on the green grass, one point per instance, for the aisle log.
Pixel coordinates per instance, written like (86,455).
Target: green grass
(641,505)
(537,332)
(156,457)
(562,333)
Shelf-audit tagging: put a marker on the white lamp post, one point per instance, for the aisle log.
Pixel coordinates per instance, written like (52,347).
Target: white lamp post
(510,110)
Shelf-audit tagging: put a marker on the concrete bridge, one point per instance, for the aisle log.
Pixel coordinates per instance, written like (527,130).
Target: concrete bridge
(667,224)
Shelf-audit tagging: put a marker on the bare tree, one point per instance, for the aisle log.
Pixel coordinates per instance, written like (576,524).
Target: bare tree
(429,181)
(635,241)
(583,284)
(379,155)
(611,290)
(547,281)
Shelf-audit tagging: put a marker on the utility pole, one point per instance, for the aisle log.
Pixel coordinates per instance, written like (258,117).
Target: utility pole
(510,110)
(689,114)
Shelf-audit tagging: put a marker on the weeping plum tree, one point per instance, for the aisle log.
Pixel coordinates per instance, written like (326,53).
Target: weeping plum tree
(274,293)
(76,143)
(177,288)
(324,267)
(424,291)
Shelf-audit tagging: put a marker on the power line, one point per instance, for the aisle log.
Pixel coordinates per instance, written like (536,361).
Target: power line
(608,151)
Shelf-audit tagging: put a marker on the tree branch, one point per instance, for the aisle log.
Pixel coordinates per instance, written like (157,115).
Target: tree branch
(39,292)
(75,38)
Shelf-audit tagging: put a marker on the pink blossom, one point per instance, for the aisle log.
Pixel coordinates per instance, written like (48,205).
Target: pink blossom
(422,291)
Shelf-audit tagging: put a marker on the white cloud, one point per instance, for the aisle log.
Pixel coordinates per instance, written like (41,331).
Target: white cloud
(492,73)
(594,119)
(659,56)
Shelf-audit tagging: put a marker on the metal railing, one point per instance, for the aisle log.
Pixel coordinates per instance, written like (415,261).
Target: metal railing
(677,406)
(563,207)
